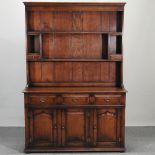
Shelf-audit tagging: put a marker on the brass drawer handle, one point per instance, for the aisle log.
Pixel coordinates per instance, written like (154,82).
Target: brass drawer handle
(42,99)
(107,100)
(75,100)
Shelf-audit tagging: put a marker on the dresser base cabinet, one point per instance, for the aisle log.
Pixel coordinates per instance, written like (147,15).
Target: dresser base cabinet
(74,121)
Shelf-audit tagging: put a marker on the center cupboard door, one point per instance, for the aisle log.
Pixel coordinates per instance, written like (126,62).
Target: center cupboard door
(42,127)
(75,127)
(106,127)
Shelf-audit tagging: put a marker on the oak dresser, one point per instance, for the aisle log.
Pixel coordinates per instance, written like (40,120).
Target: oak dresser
(74,98)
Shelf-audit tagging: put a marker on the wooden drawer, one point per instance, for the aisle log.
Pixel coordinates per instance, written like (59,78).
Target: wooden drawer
(108,99)
(42,99)
(77,99)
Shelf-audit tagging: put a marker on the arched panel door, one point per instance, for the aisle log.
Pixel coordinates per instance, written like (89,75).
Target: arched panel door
(106,126)
(43,127)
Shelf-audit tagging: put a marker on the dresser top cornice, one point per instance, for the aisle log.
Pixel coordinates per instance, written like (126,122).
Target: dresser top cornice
(69,6)
(73,3)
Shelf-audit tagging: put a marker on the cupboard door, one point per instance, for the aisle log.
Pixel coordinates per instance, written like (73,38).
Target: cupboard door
(106,127)
(43,127)
(74,127)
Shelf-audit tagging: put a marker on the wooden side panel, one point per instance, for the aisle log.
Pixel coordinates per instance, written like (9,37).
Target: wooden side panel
(34,20)
(112,48)
(27,122)
(120,15)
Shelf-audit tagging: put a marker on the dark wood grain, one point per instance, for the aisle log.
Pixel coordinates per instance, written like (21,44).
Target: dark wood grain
(74,99)
(72,72)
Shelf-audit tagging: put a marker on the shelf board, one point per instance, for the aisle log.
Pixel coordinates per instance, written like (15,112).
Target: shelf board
(74,89)
(72,32)
(76,60)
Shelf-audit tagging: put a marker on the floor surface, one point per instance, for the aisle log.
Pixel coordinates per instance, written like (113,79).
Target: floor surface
(139,141)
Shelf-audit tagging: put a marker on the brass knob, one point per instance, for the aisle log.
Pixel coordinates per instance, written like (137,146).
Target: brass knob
(62,127)
(42,99)
(107,100)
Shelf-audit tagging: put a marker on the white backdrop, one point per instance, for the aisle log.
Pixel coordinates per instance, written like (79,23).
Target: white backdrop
(139,62)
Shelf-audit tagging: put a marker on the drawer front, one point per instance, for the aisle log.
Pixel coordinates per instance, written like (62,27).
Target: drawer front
(76,99)
(108,99)
(71,99)
(43,99)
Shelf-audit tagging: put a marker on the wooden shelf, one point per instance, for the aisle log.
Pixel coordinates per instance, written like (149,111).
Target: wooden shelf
(74,89)
(76,60)
(72,32)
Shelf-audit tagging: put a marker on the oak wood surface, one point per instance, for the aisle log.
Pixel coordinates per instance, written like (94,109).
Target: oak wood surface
(74,99)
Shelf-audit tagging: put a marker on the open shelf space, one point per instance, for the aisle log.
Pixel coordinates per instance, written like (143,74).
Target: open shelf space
(76,46)
(33,45)
(119,21)
(107,21)
(75,35)
(115,44)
